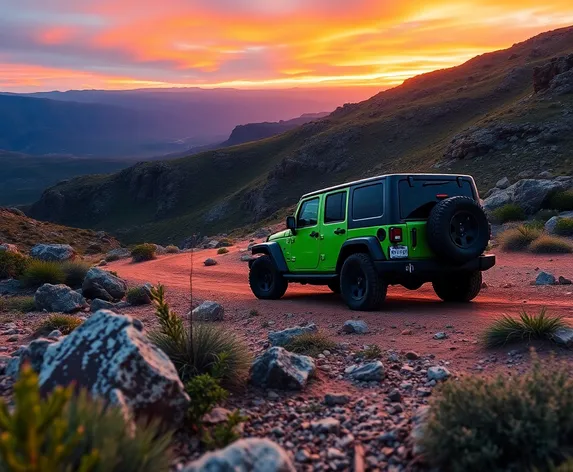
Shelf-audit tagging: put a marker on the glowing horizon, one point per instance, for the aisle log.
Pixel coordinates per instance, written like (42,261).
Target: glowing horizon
(254,44)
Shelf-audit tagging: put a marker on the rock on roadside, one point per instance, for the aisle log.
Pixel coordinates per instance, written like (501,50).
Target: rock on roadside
(280,338)
(438,373)
(53,252)
(209,311)
(355,326)
(280,369)
(371,372)
(58,298)
(99,304)
(545,278)
(564,336)
(101,284)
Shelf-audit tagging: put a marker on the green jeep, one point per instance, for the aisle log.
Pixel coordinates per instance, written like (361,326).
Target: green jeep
(360,237)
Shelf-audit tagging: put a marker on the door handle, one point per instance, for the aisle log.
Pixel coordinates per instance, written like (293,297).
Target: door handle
(339,231)
(314,234)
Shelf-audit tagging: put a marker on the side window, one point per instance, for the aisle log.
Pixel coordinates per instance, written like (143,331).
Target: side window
(335,208)
(308,213)
(368,202)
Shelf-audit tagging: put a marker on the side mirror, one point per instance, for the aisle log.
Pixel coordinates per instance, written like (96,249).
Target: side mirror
(291,224)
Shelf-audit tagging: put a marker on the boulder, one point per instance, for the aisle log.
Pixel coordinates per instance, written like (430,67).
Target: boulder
(10,287)
(58,298)
(545,278)
(103,285)
(280,369)
(370,372)
(119,253)
(33,354)
(53,252)
(111,357)
(99,304)
(280,338)
(209,311)
(502,183)
(564,336)
(355,326)
(245,455)
(551,224)
(210,262)
(438,373)
(5,247)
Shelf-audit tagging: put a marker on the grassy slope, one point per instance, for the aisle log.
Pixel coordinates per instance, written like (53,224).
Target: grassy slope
(400,130)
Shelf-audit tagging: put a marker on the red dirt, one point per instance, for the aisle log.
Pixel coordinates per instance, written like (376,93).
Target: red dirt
(419,311)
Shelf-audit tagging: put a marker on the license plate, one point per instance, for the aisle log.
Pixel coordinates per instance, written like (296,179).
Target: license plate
(398,252)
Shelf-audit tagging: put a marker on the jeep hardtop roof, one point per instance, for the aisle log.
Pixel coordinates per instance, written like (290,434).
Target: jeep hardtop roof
(378,177)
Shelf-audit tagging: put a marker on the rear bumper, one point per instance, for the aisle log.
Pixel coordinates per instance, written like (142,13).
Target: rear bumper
(428,268)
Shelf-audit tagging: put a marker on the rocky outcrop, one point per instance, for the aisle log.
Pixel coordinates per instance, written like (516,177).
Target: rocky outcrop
(281,338)
(53,252)
(550,75)
(58,298)
(112,358)
(101,284)
(281,369)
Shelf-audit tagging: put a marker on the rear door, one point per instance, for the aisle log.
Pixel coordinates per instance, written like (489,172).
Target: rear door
(334,228)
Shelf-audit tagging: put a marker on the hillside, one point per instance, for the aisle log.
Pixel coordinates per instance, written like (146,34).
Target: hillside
(481,117)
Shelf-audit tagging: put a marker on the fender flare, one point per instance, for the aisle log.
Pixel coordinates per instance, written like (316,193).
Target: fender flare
(370,243)
(273,250)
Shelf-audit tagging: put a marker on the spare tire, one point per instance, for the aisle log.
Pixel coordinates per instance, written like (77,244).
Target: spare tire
(458,230)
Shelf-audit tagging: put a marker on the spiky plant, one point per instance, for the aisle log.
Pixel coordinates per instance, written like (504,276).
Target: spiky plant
(310,344)
(64,323)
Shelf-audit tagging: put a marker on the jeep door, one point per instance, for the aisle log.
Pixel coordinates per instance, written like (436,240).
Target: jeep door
(306,243)
(334,228)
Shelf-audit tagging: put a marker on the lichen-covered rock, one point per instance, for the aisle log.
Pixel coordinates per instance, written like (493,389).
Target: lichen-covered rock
(98,304)
(280,338)
(209,311)
(58,298)
(355,326)
(53,252)
(281,369)
(99,283)
(438,373)
(109,353)
(245,455)
(370,372)
(33,354)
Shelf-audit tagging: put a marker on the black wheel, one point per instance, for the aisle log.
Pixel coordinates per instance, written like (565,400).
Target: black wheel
(334,285)
(360,285)
(458,230)
(458,287)
(265,280)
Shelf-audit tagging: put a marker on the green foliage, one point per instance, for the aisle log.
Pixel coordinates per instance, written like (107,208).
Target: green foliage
(200,348)
(225,433)
(143,252)
(20,304)
(509,212)
(222,250)
(545,215)
(65,323)
(171,249)
(508,423)
(38,273)
(12,264)
(226,242)
(138,296)
(564,226)
(75,272)
(551,245)
(525,328)
(310,344)
(370,352)
(206,393)
(561,201)
(518,239)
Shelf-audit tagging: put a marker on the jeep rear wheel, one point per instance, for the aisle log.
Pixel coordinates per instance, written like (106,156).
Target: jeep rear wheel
(458,287)
(361,287)
(265,280)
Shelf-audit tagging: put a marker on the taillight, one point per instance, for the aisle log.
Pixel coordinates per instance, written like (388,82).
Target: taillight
(395,235)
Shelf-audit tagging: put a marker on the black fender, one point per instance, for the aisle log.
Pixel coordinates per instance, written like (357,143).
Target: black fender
(273,250)
(369,244)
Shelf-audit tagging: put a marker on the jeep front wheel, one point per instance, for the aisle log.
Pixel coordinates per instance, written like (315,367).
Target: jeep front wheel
(458,287)
(265,280)
(361,287)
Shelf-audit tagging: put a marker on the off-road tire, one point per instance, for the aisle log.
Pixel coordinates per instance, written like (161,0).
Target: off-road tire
(372,287)
(458,287)
(445,222)
(266,282)
(334,285)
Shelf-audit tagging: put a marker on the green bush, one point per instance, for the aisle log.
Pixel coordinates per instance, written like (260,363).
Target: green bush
(225,433)
(545,215)
(222,250)
(561,201)
(551,245)
(518,239)
(171,249)
(206,393)
(200,348)
(75,272)
(12,264)
(20,304)
(370,352)
(564,226)
(138,296)
(112,258)
(143,252)
(310,344)
(509,212)
(38,273)
(65,323)
(525,328)
(508,423)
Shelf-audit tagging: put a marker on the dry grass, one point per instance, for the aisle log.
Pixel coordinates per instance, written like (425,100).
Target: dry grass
(518,239)
(310,344)
(551,245)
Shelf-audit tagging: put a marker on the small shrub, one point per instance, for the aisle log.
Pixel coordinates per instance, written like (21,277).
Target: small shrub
(370,352)
(138,296)
(143,252)
(20,304)
(509,212)
(561,201)
(12,265)
(545,215)
(551,245)
(525,328)
(206,394)
(564,226)
(65,323)
(171,249)
(310,344)
(518,239)
(226,242)
(534,225)
(481,423)
(38,273)
(254,312)
(222,250)
(112,257)
(225,433)
(75,272)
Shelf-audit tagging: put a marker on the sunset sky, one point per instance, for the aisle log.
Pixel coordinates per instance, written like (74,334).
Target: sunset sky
(118,44)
